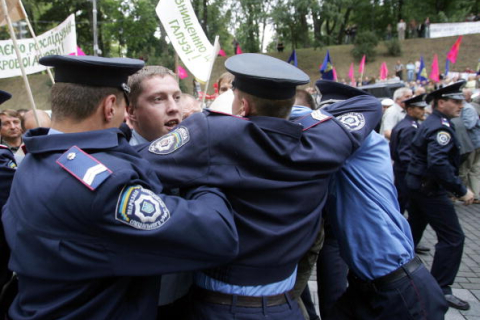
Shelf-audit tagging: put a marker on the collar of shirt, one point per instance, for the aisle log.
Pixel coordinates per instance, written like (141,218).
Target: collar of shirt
(137,139)
(39,140)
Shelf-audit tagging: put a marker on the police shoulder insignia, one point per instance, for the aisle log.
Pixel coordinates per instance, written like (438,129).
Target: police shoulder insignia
(170,142)
(445,122)
(353,121)
(141,208)
(414,124)
(84,167)
(318,115)
(12,165)
(443,138)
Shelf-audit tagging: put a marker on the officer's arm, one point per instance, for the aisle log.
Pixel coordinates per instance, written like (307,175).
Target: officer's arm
(146,233)
(439,145)
(404,145)
(358,115)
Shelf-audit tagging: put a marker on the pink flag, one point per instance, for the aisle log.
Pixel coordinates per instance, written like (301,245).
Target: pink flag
(435,73)
(351,73)
(78,53)
(334,74)
(361,67)
(383,71)
(239,50)
(222,53)
(182,73)
(452,54)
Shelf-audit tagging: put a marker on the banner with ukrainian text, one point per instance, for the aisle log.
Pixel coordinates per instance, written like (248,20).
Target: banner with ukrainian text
(187,36)
(438,30)
(60,40)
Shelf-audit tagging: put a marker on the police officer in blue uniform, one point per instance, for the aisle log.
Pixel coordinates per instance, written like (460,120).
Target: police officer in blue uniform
(89,228)
(433,171)
(386,280)
(400,141)
(274,172)
(7,170)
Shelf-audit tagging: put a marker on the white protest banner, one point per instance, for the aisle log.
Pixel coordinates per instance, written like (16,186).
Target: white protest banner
(438,30)
(187,36)
(15,12)
(59,40)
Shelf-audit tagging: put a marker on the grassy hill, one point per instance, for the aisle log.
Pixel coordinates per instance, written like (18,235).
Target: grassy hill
(309,61)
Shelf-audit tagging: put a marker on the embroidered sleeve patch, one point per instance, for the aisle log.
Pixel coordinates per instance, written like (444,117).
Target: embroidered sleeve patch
(170,142)
(141,208)
(353,121)
(84,167)
(443,138)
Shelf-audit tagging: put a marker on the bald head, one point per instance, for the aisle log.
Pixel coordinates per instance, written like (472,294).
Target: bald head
(29,121)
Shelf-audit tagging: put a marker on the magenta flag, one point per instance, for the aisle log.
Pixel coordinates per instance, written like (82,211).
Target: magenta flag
(452,54)
(351,73)
(78,53)
(383,71)
(222,53)
(435,73)
(182,73)
(361,67)
(334,74)
(239,50)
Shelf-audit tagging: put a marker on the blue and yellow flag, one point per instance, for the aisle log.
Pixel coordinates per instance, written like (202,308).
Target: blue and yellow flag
(422,72)
(293,57)
(327,69)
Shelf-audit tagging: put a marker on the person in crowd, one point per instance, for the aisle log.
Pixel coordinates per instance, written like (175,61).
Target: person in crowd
(11,130)
(262,161)
(97,229)
(395,113)
(470,168)
(432,172)
(401,27)
(29,121)
(224,82)
(410,71)
(190,105)
(399,70)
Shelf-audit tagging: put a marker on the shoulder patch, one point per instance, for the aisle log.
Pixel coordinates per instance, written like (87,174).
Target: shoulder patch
(318,115)
(443,138)
(12,165)
(84,167)
(141,208)
(353,120)
(170,142)
(312,119)
(445,122)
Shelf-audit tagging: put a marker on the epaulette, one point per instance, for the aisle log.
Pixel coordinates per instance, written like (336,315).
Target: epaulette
(84,167)
(445,122)
(414,124)
(2,146)
(312,119)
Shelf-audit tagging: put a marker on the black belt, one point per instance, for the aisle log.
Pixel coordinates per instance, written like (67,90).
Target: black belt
(241,301)
(389,278)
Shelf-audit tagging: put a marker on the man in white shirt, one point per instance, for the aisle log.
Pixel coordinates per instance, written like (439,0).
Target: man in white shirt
(395,113)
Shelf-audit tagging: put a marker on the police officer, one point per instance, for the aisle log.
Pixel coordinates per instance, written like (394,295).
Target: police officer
(275,174)
(386,280)
(91,232)
(400,141)
(432,172)
(7,170)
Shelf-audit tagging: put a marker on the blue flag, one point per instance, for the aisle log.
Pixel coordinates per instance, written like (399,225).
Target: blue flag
(293,57)
(447,67)
(327,69)
(422,72)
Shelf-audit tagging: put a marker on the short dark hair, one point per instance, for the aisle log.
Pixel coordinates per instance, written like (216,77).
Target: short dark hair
(10,113)
(78,101)
(269,108)
(305,97)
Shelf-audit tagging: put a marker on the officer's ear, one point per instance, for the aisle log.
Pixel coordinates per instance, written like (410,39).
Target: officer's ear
(246,108)
(110,107)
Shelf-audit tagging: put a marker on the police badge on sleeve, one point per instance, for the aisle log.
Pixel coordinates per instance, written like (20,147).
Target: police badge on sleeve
(443,138)
(353,121)
(141,208)
(170,142)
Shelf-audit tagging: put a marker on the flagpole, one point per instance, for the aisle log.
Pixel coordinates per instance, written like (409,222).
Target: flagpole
(176,66)
(216,48)
(37,45)
(19,58)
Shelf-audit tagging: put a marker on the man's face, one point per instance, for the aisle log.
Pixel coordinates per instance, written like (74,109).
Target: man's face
(406,95)
(417,113)
(450,107)
(11,127)
(157,110)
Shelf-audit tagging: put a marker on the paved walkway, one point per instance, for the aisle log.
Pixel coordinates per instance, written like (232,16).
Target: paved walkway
(467,282)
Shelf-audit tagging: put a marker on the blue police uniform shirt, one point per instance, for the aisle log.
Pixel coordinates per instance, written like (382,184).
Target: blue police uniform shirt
(374,238)
(274,172)
(95,232)
(435,157)
(8,168)
(400,142)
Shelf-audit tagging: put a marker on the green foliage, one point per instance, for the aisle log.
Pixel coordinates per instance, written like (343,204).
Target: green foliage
(394,48)
(365,44)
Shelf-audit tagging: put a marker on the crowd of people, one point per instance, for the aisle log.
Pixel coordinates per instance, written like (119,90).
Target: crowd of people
(145,207)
